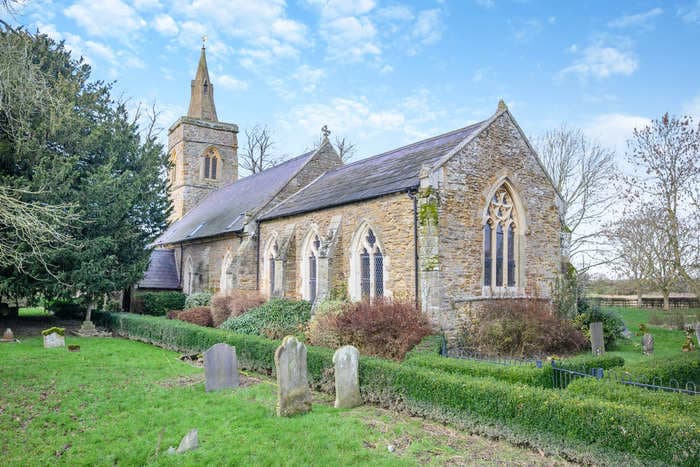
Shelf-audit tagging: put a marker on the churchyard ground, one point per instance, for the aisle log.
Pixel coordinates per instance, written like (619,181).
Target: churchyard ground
(123,402)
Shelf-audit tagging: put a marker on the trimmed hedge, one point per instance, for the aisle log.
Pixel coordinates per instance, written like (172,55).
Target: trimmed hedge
(159,303)
(563,415)
(651,400)
(586,362)
(683,368)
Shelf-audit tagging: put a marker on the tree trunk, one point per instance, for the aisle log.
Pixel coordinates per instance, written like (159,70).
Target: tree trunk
(667,302)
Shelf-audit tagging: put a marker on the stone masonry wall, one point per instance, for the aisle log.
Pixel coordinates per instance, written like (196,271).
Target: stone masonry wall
(390,217)
(467,183)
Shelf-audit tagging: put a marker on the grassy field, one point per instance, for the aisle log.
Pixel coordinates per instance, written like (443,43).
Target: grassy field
(123,402)
(667,342)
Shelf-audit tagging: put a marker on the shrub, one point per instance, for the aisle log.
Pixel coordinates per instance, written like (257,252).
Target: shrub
(319,333)
(383,328)
(198,299)
(66,309)
(612,325)
(519,328)
(274,319)
(200,316)
(683,367)
(158,303)
(622,394)
(172,314)
(225,305)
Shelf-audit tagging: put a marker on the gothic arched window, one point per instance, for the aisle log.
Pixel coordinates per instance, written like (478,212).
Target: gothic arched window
(500,241)
(310,253)
(367,267)
(211,164)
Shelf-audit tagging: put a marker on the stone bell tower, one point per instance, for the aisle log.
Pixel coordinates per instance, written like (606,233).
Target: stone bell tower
(203,151)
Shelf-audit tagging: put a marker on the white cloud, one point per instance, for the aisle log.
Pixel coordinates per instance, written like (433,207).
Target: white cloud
(106,18)
(146,5)
(166,25)
(428,27)
(599,61)
(690,14)
(486,3)
(337,8)
(229,83)
(692,107)
(386,69)
(350,38)
(639,20)
(396,12)
(614,129)
(308,77)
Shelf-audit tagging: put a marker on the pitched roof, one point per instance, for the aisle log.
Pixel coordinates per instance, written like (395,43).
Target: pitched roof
(223,210)
(161,272)
(386,173)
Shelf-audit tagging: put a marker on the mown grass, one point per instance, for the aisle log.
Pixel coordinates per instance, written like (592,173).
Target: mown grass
(124,402)
(33,311)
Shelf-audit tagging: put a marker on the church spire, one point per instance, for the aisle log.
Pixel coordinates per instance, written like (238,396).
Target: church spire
(202,98)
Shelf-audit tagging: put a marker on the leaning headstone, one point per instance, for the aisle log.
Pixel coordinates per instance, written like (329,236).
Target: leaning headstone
(220,367)
(8,336)
(597,341)
(647,344)
(347,382)
(189,442)
(293,392)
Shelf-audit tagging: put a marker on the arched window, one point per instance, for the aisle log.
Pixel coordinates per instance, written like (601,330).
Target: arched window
(500,241)
(269,258)
(367,273)
(309,269)
(188,276)
(225,281)
(211,164)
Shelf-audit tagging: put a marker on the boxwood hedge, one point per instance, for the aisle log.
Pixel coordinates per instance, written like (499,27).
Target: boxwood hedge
(574,418)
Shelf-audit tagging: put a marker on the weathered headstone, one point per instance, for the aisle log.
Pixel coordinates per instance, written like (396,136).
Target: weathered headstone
(220,367)
(54,340)
(8,336)
(347,381)
(293,392)
(189,442)
(597,340)
(647,344)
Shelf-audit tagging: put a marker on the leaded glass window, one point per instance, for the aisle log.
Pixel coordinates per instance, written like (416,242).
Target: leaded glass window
(310,277)
(211,162)
(500,241)
(370,262)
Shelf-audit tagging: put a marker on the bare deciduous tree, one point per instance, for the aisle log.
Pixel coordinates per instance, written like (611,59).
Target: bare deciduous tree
(581,170)
(257,155)
(666,158)
(346,149)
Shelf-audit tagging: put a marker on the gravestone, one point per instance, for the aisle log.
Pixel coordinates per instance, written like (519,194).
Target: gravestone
(220,367)
(293,393)
(347,382)
(647,344)
(597,341)
(189,442)
(54,340)
(8,336)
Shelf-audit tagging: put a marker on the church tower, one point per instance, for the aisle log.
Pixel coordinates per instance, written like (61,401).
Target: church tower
(203,151)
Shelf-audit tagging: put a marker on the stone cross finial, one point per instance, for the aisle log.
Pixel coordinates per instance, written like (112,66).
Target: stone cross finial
(325,131)
(502,105)
(204,40)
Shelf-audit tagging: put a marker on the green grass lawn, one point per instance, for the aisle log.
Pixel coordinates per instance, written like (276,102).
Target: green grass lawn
(124,402)
(667,342)
(33,311)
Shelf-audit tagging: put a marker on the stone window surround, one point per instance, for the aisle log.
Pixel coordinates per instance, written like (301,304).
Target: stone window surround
(269,253)
(225,274)
(210,153)
(357,243)
(520,217)
(307,248)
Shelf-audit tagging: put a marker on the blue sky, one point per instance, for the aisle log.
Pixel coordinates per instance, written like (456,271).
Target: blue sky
(385,73)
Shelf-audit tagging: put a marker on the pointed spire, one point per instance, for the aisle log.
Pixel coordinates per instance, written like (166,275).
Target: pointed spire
(202,97)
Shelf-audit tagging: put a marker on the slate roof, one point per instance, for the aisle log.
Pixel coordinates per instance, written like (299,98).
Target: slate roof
(222,211)
(386,173)
(161,272)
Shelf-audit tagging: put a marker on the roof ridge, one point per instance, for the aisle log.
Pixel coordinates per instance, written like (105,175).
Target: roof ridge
(432,138)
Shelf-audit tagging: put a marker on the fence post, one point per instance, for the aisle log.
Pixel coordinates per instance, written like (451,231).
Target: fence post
(599,373)
(538,363)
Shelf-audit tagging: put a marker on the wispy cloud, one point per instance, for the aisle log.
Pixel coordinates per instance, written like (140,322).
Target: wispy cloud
(640,20)
(123,20)
(691,13)
(600,61)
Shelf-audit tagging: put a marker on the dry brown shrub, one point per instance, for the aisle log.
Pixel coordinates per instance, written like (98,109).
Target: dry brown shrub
(383,328)
(200,316)
(520,327)
(232,303)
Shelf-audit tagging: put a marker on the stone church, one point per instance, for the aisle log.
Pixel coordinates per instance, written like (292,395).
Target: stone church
(451,221)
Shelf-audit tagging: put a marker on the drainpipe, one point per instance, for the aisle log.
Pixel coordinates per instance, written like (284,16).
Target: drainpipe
(257,258)
(180,271)
(412,195)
